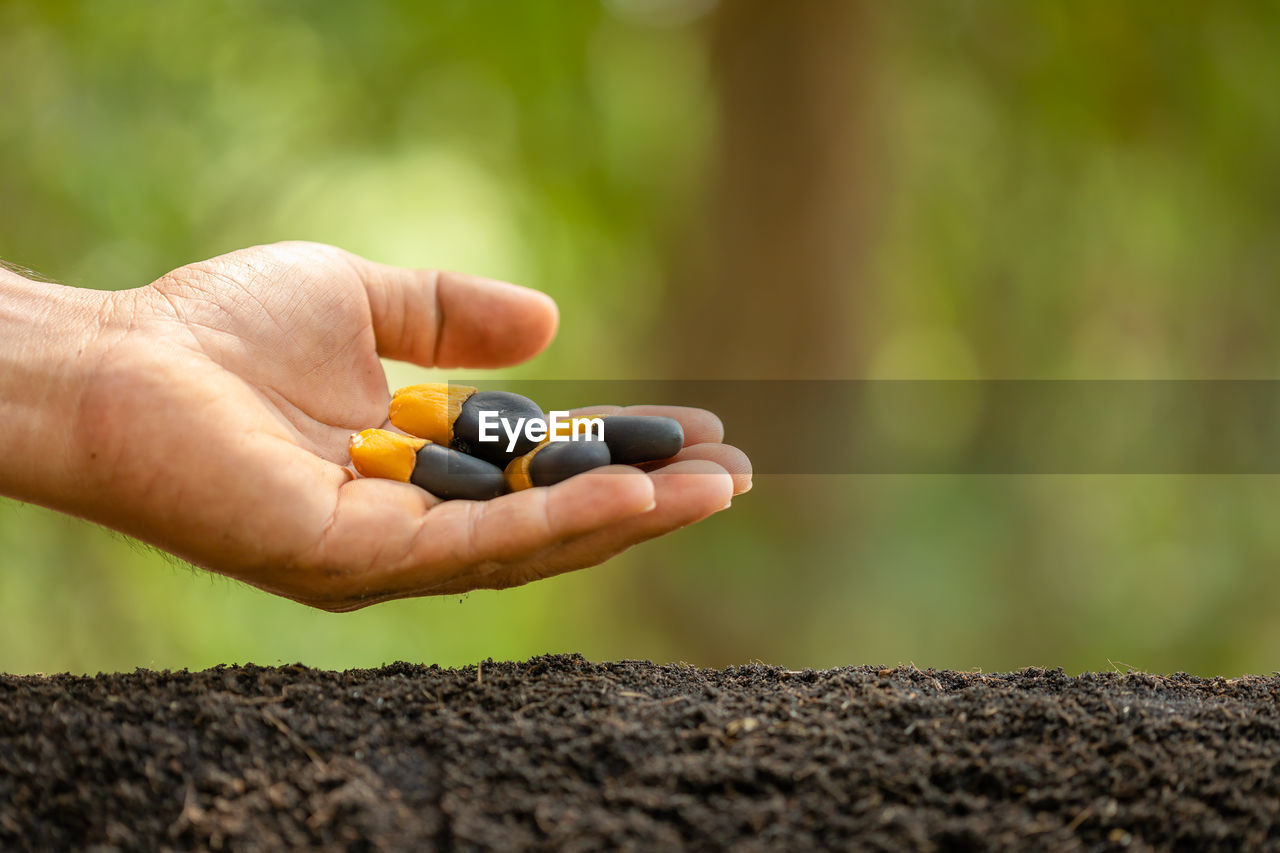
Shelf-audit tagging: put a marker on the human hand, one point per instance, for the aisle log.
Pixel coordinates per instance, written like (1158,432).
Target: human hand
(216,404)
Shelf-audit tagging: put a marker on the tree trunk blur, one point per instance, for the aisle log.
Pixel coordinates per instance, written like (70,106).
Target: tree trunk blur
(775,285)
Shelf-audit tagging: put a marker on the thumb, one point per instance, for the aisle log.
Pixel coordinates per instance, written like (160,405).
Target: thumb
(446,319)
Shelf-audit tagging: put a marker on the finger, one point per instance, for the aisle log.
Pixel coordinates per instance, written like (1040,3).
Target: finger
(726,456)
(390,539)
(700,426)
(685,493)
(447,319)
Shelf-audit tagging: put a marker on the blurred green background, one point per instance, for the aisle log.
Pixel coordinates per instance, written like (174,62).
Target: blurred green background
(747,189)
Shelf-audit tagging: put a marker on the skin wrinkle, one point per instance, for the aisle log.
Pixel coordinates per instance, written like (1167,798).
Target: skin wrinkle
(188,324)
(274,411)
(395,323)
(317,557)
(406,552)
(213,299)
(481,579)
(349,261)
(405,549)
(482,575)
(375,593)
(305,414)
(463,553)
(82,435)
(380,292)
(439,308)
(243,291)
(270,394)
(298,424)
(329,359)
(548,529)
(469,539)
(314,557)
(296,303)
(329,467)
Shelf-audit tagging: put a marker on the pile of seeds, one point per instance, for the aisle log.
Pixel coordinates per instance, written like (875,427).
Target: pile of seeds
(460,443)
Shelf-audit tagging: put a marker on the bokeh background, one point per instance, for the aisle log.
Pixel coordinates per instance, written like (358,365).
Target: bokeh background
(742,189)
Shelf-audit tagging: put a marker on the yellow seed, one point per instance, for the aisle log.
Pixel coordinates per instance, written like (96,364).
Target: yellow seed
(385,454)
(429,410)
(517,470)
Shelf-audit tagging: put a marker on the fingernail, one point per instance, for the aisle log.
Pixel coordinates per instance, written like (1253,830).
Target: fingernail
(726,506)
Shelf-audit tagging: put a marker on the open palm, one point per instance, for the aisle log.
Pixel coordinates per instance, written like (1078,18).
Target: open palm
(216,427)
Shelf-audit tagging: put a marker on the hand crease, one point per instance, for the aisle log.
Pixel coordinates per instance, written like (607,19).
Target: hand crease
(439,305)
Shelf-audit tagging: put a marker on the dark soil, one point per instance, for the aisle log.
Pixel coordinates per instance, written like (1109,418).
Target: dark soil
(565,754)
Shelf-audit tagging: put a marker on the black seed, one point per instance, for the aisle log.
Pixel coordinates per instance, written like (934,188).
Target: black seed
(560,460)
(633,439)
(450,475)
(510,409)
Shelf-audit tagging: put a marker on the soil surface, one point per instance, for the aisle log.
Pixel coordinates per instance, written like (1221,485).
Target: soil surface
(560,753)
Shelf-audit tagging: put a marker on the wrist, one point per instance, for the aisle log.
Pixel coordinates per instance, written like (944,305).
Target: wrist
(49,337)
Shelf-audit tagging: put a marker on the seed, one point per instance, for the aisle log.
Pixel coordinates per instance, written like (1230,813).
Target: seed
(445,473)
(564,459)
(385,454)
(429,410)
(513,412)
(449,418)
(633,439)
(452,475)
(552,462)
(449,415)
